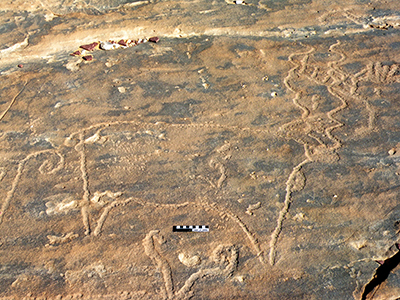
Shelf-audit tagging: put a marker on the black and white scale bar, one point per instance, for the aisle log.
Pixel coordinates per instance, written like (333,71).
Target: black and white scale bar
(196,228)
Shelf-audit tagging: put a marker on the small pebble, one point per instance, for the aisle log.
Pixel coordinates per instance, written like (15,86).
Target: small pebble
(89,47)
(76,53)
(392,151)
(274,94)
(122,43)
(88,58)
(20,66)
(154,39)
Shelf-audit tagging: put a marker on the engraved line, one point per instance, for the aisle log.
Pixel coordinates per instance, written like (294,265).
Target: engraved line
(291,74)
(104,215)
(139,123)
(285,209)
(237,220)
(343,105)
(230,268)
(17,177)
(13,100)
(59,166)
(150,250)
(205,205)
(80,148)
(335,82)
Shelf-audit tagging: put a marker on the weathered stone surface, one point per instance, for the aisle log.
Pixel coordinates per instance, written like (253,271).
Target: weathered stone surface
(276,123)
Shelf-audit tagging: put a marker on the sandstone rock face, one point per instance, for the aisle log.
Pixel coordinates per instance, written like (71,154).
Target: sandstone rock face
(275,123)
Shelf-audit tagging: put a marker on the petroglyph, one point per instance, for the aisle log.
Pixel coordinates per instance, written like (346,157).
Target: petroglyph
(222,263)
(80,148)
(52,165)
(226,259)
(161,263)
(376,72)
(221,169)
(250,235)
(98,197)
(221,156)
(253,207)
(189,261)
(376,75)
(290,188)
(125,148)
(224,214)
(96,138)
(314,128)
(129,148)
(21,166)
(145,139)
(299,181)
(202,128)
(320,153)
(105,213)
(53,239)
(60,203)
(13,100)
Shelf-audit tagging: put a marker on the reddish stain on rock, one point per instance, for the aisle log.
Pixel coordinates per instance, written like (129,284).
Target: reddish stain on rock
(89,47)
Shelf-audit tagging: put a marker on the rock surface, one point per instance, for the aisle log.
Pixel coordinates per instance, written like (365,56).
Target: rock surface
(275,123)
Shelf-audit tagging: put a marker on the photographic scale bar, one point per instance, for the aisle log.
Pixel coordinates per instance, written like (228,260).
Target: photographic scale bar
(195,228)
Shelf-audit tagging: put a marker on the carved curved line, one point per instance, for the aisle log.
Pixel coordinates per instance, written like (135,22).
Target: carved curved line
(12,101)
(285,209)
(10,193)
(250,236)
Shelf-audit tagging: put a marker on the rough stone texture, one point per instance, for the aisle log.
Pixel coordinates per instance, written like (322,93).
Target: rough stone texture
(276,123)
